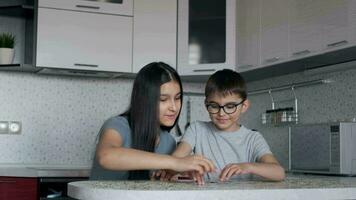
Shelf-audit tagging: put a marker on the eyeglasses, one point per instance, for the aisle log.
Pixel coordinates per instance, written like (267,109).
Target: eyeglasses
(228,108)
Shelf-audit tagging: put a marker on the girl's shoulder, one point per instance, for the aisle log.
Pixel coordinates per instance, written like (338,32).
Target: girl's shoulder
(117,120)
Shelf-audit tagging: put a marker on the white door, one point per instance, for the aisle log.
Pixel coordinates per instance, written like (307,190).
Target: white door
(206,36)
(305,27)
(155,32)
(80,40)
(248,34)
(117,7)
(274,31)
(336,24)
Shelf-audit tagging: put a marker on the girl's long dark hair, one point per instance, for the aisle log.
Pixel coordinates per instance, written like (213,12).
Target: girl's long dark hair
(143,112)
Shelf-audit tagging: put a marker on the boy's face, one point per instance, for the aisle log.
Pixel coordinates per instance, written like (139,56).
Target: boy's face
(222,120)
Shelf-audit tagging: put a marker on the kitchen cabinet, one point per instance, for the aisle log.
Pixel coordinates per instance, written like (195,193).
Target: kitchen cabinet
(206,36)
(248,34)
(155,32)
(18,17)
(17,188)
(274,31)
(306,27)
(279,33)
(72,39)
(337,20)
(116,7)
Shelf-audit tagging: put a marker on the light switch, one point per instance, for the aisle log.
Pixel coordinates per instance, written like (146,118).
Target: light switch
(14,127)
(4,127)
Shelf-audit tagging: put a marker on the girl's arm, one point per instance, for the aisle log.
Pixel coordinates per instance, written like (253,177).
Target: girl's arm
(111,155)
(267,167)
(184,149)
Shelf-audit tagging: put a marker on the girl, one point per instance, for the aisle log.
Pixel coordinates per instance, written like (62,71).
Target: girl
(138,140)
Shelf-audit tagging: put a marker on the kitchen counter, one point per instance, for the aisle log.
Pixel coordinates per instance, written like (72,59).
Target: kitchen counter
(293,187)
(36,170)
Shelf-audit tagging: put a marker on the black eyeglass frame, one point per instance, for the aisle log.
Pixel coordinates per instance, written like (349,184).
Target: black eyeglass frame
(223,107)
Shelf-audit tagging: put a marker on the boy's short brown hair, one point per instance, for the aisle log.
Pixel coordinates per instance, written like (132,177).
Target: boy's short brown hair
(226,82)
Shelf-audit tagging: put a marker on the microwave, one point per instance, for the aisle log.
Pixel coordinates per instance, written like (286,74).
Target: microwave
(328,148)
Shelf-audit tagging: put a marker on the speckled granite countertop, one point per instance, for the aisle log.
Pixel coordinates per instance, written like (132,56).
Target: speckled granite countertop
(38,170)
(294,187)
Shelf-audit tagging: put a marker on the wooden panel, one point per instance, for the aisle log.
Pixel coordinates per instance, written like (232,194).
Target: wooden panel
(15,188)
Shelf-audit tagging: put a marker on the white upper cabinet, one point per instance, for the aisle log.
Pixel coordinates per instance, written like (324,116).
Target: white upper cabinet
(206,36)
(83,40)
(118,7)
(305,27)
(155,32)
(337,23)
(71,39)
(274,31)
(248,34)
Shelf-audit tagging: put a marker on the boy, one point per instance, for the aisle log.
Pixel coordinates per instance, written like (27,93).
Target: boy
(233,148)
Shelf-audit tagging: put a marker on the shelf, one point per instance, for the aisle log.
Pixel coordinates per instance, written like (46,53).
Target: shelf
(16,8)
(279,117)
(19,67)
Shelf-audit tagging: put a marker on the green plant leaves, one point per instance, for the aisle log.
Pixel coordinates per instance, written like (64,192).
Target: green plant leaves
(7,40)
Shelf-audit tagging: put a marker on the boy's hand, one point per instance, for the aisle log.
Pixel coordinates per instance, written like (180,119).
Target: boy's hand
(234,169)
(196,163)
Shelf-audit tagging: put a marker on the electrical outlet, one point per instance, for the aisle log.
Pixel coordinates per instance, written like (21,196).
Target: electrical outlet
(4,127)
(15,127)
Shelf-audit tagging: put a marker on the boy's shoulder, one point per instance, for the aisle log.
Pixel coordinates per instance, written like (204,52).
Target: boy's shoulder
(249,131)
(199,125)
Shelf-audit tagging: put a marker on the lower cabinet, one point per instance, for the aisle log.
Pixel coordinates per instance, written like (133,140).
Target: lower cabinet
(18,188)
(36,188)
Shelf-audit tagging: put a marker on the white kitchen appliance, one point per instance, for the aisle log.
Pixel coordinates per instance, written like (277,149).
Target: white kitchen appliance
(328,148)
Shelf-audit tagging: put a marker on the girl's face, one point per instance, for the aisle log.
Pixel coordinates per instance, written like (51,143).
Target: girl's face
(170,103)
(222,120)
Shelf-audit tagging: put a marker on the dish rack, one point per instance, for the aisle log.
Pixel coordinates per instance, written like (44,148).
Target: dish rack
(279,116)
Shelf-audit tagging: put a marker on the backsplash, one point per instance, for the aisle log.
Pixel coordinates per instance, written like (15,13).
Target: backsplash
(61,116)
(316,104)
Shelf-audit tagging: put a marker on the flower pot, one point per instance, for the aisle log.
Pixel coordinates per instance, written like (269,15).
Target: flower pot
(6,56)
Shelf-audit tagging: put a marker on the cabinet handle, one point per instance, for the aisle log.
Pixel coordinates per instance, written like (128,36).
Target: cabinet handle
(85,65)
(245,66)
(340,43)
(204,70)
(89,7)
(299,53)
(274,59)
(7,181)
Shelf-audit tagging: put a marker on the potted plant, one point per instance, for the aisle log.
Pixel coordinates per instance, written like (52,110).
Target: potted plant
(7,42)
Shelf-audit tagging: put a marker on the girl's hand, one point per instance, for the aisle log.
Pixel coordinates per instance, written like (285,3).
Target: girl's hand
(234,169)
(196,163)
(163,175)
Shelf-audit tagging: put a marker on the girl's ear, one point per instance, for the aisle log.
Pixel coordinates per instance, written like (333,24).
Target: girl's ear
(245,105)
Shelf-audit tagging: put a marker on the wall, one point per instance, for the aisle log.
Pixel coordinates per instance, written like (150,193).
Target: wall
(317,103)
(60,116)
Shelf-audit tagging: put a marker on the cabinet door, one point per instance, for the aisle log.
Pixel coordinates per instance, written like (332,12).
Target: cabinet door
(206,36)
(118,7)
(336,24)
(274,31)
(305,27)
(155,32)
(248,34)
(18,188)
(80,40)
